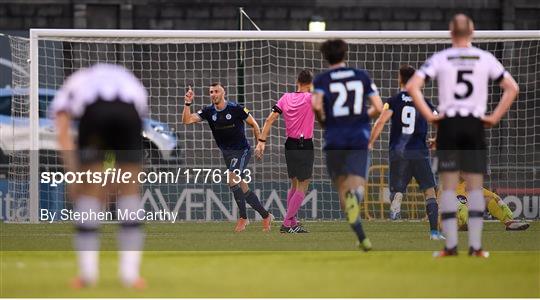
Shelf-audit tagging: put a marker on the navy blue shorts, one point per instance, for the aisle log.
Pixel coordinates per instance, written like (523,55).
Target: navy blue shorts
(403,170)
(236,159)
(347,162)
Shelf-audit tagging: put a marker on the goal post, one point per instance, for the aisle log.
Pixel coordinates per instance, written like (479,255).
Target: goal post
(167,61)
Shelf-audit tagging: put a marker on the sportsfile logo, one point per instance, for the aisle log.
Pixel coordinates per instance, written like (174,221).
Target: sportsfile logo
(119,176)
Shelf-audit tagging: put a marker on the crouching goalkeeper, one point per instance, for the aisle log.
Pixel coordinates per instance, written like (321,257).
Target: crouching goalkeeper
(495,206)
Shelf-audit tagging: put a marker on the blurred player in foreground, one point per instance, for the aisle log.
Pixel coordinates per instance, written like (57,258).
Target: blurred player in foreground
(463,73)
(226,120)
(495,206)
(409,153)
(340,99)
(109,102)
(299,155)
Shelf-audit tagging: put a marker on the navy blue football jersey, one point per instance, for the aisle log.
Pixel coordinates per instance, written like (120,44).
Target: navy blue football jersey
(345,93)
(227,125)
(408,128)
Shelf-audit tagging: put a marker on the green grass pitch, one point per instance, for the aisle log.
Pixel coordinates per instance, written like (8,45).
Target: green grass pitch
(209,260)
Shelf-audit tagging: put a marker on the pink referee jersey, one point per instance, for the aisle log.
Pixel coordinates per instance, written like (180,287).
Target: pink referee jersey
(298,114)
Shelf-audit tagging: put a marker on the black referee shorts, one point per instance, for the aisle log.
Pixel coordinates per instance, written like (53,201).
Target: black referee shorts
(461,145)
(110,127)
(299,156)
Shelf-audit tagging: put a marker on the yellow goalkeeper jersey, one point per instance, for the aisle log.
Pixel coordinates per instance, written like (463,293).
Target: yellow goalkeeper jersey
(488,195)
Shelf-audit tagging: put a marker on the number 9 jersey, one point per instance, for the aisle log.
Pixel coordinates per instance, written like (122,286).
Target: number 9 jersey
(345,94)
(408,130)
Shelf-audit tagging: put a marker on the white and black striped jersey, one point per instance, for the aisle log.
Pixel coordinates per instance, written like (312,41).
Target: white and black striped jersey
(105,82)
(462,76)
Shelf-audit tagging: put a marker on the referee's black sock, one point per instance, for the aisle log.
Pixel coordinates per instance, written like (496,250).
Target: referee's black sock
(240,200)
(254,202)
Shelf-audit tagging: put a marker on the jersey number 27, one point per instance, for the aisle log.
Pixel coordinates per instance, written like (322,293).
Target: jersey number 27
(341,108)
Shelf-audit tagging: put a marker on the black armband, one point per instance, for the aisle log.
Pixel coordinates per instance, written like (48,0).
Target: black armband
(276,108)
(262,141)
(187,104)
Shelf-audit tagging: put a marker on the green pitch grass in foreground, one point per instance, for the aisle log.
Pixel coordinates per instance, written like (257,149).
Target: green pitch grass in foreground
(512,271)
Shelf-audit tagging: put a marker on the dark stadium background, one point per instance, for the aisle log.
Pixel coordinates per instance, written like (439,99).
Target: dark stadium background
(16,17)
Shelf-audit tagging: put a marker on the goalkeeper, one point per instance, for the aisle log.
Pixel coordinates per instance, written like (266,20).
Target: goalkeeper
(495,206)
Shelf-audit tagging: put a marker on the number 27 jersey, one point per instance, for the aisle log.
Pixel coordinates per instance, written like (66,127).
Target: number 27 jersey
(345,94)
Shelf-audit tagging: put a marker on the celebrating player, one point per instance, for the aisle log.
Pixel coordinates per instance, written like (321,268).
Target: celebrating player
(340,103)
(109,103)
(299,120)
(462,73)
(409,153)
(226,120)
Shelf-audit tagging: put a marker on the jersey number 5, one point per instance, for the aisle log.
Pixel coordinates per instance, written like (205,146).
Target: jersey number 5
(462,79)
(340,108)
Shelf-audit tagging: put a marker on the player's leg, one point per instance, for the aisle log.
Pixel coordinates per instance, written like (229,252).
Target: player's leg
(249,196)
(290,193)
(477,206)
(124,137)
(500,210)
(289,159)
(234,181)
(351,194)
(474,166)
(421,169)
(293,226)
(131,234)
(399,177)
(449,182)
(300,157)
(448,166)
(351,191)
(89,197)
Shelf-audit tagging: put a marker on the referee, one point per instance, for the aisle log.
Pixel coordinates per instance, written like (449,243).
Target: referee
(109,102)
(299,120)
(462,73)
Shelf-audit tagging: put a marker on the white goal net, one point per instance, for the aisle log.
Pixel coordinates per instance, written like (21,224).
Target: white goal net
(256,68)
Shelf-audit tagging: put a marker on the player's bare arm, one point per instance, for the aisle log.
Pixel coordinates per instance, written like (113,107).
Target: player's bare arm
(376,106)
(378,126)
(317,104)
(511,89)
(259,150)
(65,141)
(256,129)
(414,86)
(187,116)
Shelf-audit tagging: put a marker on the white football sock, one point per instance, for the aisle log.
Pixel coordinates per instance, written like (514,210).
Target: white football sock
(87,239)
(130,240)
(449,223)
(477,205)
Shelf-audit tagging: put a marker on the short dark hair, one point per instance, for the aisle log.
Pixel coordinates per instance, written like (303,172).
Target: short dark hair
(216,83)
(405,73)
(305,77)
(334,51)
